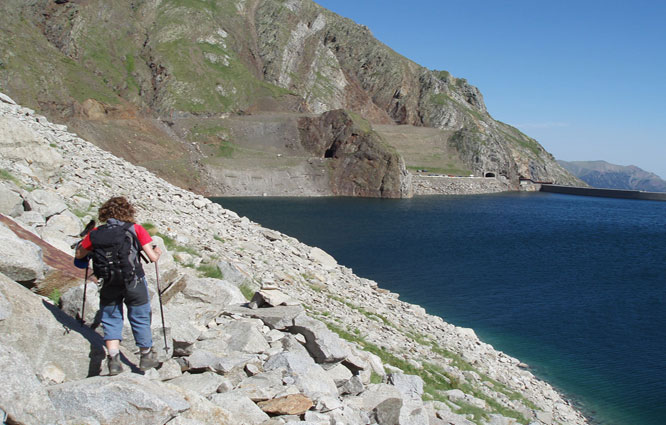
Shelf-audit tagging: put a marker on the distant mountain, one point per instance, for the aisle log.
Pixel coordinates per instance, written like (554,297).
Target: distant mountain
(611,176)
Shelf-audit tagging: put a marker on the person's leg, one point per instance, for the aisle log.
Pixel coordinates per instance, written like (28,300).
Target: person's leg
(140,319)
(112,324)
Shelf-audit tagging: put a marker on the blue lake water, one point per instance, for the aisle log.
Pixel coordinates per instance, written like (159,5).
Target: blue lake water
(573,286)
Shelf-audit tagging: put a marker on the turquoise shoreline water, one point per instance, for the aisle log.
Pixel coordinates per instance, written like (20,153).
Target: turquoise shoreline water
(573,286)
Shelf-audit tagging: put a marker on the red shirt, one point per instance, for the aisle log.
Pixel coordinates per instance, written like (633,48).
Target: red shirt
(141,234)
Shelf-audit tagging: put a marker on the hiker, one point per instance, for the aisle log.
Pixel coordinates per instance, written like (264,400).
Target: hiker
(115,249)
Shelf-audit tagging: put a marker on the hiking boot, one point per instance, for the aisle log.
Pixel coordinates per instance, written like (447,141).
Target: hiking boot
(148,360)
(115,367)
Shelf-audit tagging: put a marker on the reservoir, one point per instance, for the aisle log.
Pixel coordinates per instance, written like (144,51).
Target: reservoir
(573,286)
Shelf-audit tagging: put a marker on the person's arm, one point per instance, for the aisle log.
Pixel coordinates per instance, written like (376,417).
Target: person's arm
(81,252)
(152,251)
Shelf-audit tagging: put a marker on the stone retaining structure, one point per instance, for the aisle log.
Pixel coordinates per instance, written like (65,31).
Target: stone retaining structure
(444,185)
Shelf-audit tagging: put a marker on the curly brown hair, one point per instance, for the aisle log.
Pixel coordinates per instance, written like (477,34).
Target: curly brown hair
(119,208)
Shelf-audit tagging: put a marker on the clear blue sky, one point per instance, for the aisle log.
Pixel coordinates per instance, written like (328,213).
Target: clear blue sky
(586,78)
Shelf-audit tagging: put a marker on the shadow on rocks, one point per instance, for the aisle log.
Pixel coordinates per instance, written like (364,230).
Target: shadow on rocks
(97,353)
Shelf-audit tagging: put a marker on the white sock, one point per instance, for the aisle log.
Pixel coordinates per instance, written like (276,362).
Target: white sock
(144,350)
(113,351)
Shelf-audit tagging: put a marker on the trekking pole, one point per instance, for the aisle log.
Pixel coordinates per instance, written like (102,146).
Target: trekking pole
(83,306)
(159,295)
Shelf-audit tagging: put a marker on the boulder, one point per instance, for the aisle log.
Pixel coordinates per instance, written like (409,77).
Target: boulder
(205,384)
(201,411)
(263,386)
(118,399)
(308,376)
(23,397)
(20,143)
(272,298)
(324,259)
(47,335)
(322,344)
(11,203)
(280,318)
(202,300)
(244,411)
(233,273)
(45,202)
(296,404)
(20,260)
(32,219)
(245,337)
(71,302)
(65,223)
(410,386)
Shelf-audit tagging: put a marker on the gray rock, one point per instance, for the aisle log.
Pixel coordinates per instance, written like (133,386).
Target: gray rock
(202,300)
(244,411)
(65,223)
(46,202)
(323,258)
(245,337)
(184,335)
(5,307)
(233,273)
(388,412)
(20,260)
(23,397)
(280,318)
(353,386)
(11,203)
(496,419)
(47,335)
(324,346)
(340,374)
(71,302)
(118,399)
(410,386)
(169,370)
(308,376)
(202,360)
(204,384)
(272,298)
(6,99)
(263,386)
(32,219)
(20,144)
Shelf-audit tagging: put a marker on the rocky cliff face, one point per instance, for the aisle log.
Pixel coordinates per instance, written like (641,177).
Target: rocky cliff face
(361,162)
(131,76)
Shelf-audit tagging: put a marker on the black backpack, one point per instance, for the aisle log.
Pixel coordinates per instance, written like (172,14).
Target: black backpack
(115,254)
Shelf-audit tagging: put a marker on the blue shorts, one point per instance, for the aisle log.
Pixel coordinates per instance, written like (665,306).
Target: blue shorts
(139,317)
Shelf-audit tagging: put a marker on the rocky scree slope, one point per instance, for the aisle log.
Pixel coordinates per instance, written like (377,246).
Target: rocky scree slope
(160,82)
(324,347)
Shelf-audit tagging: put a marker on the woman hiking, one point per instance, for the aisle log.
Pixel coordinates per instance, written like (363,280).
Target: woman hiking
(116,249)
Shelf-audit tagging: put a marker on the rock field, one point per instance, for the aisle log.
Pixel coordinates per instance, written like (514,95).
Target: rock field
(314,344)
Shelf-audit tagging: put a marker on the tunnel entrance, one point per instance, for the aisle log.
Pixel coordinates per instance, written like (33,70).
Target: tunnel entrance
(490,175)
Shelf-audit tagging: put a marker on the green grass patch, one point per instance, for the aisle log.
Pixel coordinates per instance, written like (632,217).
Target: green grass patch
(172,245)
(247,291)
(6,175)
(226,150)
(151,229)
(219,238)
(55,296)
(210,270)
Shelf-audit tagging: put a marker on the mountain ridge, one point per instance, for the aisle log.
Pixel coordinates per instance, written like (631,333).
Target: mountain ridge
(603,174)
(161,82)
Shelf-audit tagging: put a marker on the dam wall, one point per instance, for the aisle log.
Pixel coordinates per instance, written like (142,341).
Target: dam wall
(605,193)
